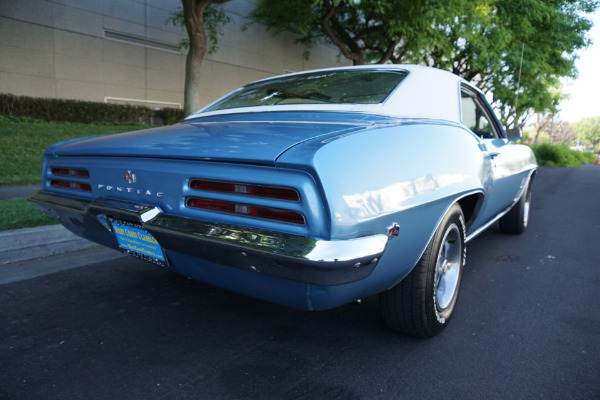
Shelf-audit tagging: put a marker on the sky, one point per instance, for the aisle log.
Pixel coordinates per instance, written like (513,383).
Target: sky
(584,90)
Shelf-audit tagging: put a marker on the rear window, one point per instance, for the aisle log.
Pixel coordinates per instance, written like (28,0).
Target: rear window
(337,87)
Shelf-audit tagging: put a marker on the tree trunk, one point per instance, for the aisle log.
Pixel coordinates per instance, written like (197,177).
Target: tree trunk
(193,65)
(193,15)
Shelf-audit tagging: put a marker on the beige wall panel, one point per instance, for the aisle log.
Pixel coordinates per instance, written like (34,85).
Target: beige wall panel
(78,69)
(74,60)
(26,35)
(26,61)
(253,29)
(127,10)
(226,55)
(80,90)
(162,35)
(251,76)
(94,6)
(229,77)
(261,44)
(78,46)
(122,26)
(76,20)
(225,79)
(156,18)
(293,54)
(206,100)
(164,4)
(163,80)
(27,85)
(123,75)
(232,32)
(240,7)
(293,65)
(164,95)
(165,61)
(325,57)
(219,79)
(117,52)
(272,65)
(22,10)
(124,92)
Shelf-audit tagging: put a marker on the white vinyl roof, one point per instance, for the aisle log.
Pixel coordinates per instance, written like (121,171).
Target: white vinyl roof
(425,93)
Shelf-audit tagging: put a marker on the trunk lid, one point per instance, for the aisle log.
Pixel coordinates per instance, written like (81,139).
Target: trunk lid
(255,138)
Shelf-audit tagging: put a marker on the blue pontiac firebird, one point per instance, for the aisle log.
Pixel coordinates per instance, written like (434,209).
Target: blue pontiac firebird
(311,190)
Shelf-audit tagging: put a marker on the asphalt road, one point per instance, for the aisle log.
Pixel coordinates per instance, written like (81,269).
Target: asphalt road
(527,326)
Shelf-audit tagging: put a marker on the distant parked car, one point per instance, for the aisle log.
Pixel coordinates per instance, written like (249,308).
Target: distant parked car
(311,190)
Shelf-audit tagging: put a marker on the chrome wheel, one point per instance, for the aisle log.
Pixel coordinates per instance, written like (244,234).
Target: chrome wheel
(448,268)
(422,303)
(515,221)
(526,209)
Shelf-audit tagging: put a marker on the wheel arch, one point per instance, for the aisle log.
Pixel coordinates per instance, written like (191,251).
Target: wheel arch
(470,205)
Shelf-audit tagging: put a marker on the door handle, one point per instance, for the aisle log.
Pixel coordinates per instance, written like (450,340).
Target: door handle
(493,155)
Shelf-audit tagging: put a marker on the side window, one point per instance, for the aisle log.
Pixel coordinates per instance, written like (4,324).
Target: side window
(475,118)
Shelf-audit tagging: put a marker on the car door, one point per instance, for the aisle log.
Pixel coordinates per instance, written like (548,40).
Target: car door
(500,181)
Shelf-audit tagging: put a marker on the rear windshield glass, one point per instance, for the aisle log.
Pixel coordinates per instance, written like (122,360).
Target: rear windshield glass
(338,87)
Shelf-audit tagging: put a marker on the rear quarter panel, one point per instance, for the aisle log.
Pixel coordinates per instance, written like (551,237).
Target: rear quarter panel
(408,173)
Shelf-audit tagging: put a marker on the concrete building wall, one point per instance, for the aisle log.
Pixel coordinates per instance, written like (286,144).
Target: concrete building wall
(102,50)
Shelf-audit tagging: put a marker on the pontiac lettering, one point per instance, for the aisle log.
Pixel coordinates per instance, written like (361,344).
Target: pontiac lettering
(139,192)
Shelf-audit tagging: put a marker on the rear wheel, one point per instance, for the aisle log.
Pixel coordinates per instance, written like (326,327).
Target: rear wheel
(423,302)
(515,221)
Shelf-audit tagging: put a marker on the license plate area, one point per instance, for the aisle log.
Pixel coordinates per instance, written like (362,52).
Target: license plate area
(137,242)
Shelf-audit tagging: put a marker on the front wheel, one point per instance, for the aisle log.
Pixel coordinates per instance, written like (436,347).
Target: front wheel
(422,303)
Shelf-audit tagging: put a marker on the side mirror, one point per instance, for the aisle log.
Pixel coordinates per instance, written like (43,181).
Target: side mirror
(514,134)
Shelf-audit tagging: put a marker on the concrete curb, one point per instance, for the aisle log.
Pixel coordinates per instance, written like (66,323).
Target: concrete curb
(49,264)
(31,243)
(18,192)
(30,252)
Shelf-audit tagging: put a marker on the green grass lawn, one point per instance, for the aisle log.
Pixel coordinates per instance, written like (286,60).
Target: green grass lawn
(22,144)
(20,213)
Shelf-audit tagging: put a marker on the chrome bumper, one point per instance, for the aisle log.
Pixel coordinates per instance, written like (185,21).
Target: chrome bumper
(298,258)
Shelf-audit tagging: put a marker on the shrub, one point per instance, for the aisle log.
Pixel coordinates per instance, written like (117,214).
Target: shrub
(560,155)
(83,111)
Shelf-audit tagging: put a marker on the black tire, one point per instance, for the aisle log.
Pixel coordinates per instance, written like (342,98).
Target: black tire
(419,305)
(515,221)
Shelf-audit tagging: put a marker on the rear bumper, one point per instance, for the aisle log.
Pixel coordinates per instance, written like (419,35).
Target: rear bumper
(292,257)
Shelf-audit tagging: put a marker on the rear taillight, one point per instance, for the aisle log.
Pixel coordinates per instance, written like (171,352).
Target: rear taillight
(71,178)
(248,210)
(73,172)
(263,191)
(70,185)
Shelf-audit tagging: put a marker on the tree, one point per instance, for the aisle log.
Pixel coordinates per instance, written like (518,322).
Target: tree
(543,124)
(544,37)
(482,41)
(588,131)
(364,31)
(558,131)
(562,132)
(198,17)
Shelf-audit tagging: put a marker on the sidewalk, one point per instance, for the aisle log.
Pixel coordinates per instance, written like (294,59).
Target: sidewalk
(17,192)
(33,243)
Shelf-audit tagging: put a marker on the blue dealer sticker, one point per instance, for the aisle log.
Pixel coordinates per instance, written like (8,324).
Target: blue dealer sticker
(138,242)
